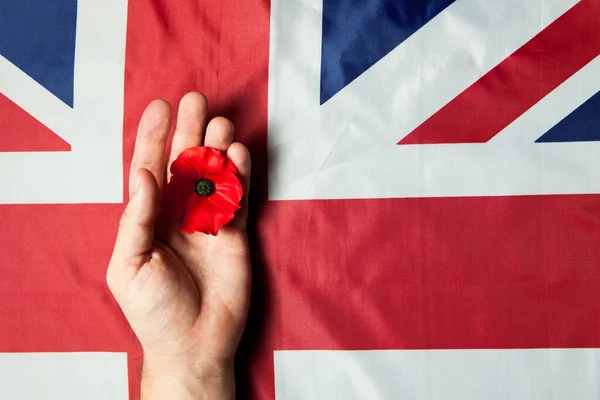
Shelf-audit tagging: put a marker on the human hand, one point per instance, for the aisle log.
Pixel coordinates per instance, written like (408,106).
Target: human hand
(185,296)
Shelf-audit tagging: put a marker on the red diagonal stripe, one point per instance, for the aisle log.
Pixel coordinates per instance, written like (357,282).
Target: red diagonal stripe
(20,132)
(515,85)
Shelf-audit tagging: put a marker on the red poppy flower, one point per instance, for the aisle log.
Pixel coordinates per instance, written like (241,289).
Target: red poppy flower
(204,191)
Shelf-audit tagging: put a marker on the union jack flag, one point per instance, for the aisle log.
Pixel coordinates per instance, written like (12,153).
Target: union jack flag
(425,190)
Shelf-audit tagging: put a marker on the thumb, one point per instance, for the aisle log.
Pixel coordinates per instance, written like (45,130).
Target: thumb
(136,230)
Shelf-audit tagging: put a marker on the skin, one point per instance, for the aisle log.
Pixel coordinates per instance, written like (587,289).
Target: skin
(185,296)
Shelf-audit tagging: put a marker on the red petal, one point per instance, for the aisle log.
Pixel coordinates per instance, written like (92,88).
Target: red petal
(183,168)
(228,191)
(204,160)
(203,216)
(231,167)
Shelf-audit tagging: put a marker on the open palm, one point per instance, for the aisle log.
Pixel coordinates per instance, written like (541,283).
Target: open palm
(185,296)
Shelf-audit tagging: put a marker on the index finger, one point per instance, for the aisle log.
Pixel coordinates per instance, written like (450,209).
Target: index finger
(151,142)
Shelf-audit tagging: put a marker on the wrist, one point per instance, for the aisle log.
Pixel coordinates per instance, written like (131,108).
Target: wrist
(185,378)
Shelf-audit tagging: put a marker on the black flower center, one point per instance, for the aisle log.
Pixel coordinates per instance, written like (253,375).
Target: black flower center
(204,187)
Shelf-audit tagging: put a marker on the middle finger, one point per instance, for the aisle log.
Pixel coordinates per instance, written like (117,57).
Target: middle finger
(191,123)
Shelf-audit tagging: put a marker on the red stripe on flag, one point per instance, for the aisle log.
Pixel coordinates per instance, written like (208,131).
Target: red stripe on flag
(442,273)
(21,132)
(515,85)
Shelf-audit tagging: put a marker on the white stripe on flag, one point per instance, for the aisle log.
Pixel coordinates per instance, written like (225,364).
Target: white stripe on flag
(63,376)
(539,374)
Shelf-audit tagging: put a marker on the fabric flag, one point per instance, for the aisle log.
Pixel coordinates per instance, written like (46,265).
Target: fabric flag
(425,209)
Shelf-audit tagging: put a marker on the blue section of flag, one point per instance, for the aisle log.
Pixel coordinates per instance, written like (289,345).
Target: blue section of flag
(357,34)
(582,125)
(38,36)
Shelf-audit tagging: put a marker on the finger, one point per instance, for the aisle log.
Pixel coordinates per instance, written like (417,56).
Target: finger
(240,156)
(136,229)
(219,133)
(191,123)
(151,141)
